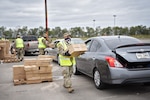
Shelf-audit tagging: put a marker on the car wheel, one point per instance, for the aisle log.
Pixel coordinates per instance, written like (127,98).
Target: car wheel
(58,61)
(46,53)
(75,70)
(26,53)
(11,50)
(97,80)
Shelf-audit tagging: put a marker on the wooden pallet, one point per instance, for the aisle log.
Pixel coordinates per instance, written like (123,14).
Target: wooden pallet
(38,81)
(10,60)
(21,82)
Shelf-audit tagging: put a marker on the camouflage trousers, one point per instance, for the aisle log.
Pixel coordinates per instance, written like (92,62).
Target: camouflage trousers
(67,73)
(41,51)
(20,53)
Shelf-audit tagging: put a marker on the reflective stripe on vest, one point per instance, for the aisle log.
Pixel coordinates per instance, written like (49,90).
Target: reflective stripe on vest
(19,43)
(41,44)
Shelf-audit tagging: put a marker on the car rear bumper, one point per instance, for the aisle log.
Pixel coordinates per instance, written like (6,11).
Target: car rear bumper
(125,76)
(32,50)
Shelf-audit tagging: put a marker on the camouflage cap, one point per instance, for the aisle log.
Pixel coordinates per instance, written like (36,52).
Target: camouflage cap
(67,34)
(18,36)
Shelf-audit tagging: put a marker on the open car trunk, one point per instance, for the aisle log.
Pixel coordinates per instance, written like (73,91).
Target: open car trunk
(134,56)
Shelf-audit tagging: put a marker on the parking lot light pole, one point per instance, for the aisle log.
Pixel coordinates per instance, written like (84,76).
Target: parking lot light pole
(114,23)
(114,19)
(94,25)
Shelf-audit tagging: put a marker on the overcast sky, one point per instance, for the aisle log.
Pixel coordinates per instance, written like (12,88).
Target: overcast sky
(74,13)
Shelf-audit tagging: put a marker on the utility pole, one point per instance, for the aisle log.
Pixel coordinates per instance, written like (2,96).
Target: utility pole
(46,18)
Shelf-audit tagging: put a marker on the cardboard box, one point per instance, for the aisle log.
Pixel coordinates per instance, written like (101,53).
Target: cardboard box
(46,56)
(45,70)
(77,49)
(2,54)
(37,69)
(29,62)
(44,61)
(5,48)
(18,69)
(19,76)
(38,76)
(46,76)
(18,72)
(33,76)
(36,73)
(31,68)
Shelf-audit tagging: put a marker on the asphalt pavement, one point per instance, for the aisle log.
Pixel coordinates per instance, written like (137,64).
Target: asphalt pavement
(83,85)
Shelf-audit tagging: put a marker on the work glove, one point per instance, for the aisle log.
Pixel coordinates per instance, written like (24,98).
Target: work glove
(67,53)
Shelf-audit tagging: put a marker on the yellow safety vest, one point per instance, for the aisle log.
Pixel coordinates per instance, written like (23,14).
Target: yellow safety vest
(66,61)
(3,39)
(19,43)
(41,44)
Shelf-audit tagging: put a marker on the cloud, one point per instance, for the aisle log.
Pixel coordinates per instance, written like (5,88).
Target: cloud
(72,13)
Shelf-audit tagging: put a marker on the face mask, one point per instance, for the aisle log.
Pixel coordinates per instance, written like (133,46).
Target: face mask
(68,40)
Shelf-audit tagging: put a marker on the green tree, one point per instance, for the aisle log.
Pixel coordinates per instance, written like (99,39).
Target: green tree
(2,30)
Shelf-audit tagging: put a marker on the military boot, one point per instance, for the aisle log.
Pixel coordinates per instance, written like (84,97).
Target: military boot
(70,90)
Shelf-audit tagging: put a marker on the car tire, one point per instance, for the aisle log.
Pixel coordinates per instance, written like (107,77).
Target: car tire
(46,52)
(58,60)
(11,50)
(75,70)
(97,80)
(26,53)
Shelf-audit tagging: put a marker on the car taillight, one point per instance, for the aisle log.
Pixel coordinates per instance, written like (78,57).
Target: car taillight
(113,62)
(28,45)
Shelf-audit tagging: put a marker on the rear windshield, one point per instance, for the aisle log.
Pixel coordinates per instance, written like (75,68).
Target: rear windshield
(76,41)
(113,43)
(29,38)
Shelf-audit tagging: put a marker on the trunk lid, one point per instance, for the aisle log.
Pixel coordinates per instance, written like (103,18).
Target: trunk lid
(134,55)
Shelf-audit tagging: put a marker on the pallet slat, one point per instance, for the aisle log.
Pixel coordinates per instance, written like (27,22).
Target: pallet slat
(21,82)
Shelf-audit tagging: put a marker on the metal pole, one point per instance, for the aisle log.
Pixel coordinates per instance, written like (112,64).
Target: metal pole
(114,20)
(94,25)
(114,23)
(46,18)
